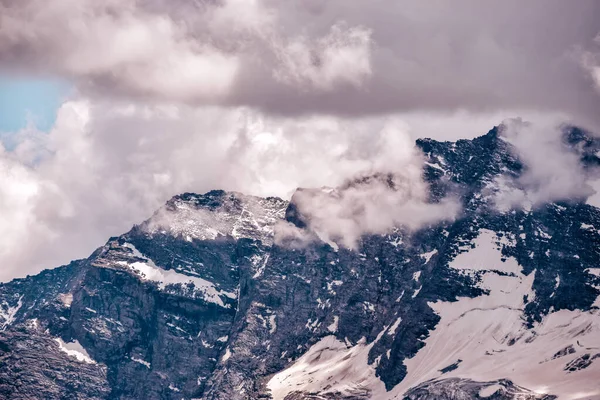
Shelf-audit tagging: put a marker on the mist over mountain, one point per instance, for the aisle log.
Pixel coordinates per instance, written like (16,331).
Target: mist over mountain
(469,277)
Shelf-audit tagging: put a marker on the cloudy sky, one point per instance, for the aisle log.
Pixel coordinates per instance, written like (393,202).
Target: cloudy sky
(110,107)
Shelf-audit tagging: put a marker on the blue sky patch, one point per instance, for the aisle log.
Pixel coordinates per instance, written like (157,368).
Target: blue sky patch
(24,100)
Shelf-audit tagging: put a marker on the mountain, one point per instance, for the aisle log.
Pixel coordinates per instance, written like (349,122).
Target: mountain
(203,301)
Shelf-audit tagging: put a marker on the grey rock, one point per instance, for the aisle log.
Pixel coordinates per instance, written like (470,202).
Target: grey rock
(199,301)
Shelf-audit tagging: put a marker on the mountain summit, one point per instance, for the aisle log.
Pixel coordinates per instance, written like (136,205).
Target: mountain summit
(203,300)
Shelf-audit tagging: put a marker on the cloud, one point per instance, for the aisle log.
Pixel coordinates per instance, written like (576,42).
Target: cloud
(590,60)
(107,165)
(303,57)
(115,43)
(148,49)
(373,205)
(553,171)
(18,188)
(262,97)
(388,195)
(341,57)
(100,169)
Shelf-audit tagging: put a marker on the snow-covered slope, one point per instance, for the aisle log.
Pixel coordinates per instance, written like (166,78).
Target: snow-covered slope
(484,339)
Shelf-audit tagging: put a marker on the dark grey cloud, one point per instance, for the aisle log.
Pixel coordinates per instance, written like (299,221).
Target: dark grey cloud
(343,57)
(479,56)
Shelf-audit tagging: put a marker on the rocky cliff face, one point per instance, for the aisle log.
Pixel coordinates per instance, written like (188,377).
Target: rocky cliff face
(203,301)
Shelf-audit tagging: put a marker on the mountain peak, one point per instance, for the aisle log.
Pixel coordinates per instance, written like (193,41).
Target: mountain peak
(199,302)
(216,214)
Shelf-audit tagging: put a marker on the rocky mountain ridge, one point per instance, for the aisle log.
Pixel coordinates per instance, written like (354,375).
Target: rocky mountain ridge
(203,301)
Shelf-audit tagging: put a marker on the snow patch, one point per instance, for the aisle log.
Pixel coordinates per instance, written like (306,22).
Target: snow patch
(427,256)
(392,330)
(543,234)
(436,166)
(400,297)
(8,314)
(417,291)
(334,325)
(486,256)
(66,299)
(593,271)
(489,390)
(74,349)
(140,361)
(261,268)
(396,242)
(329,366)
(148,271)
(227,355)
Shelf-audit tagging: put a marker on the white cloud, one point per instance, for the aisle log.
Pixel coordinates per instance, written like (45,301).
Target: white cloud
(343,56)
(128,47)
(99,170)
(119,42)
(373,206)
(19,187)
(552,171)
(107,165)
(391,193)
